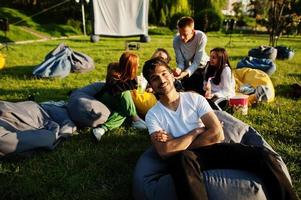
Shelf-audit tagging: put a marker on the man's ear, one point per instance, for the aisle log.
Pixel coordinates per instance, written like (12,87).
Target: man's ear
(192,26)
(173,77)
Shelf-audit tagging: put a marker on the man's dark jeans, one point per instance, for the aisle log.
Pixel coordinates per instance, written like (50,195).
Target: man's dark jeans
(186,169)
(194,82)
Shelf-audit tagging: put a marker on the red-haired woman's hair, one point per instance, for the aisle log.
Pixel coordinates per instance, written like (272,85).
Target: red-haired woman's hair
(128,66)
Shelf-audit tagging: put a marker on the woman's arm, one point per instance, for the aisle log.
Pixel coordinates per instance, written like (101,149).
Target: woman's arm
(226,87)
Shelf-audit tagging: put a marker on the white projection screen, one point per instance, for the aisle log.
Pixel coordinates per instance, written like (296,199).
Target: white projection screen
(120,17)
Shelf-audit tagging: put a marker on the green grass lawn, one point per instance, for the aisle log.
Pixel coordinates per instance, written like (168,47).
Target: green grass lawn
(80,168)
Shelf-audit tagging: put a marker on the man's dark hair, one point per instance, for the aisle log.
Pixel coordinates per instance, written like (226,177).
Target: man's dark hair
(185,21)
(150,66)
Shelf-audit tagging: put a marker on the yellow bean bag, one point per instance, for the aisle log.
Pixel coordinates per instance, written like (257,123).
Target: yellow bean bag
(143,101)
(258,80)
(2,61)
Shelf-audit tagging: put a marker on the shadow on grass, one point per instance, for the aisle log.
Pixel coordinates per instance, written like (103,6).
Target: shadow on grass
(57,30)
(94,47)
(4,39)
(282,90)
(287,138)
(110,165)
(18,72)
(295,75)
(36,94)
(286,91)
(13,18)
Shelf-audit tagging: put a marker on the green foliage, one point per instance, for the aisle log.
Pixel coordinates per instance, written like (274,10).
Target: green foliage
(241,22)
(201,5)
(48,11)
(207,14)
(166,9)
(16,33)
(74,23)
(208,20)
(180,6)
(22,27)
(159,31)
(198,5)
(218,5)
(57,30)
(237,8)
(279,17)
(174,19)
(15,16)
(258,8)
(250,21)
(163,18)
(297,7)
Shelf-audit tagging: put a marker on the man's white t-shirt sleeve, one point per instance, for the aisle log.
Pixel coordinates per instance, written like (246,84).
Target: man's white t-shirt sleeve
(203,105)
(152,121)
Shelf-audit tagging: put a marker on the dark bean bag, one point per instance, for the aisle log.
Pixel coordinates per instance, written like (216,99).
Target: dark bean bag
(284,53)
(262,64)
(263,52)
(152,181)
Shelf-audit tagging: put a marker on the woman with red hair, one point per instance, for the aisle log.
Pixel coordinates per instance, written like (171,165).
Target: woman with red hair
(121,78)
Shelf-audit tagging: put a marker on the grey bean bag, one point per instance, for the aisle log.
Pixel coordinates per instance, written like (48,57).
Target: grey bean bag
(61,61)
(26,126)
(84,109)
(60,115)
(151,179)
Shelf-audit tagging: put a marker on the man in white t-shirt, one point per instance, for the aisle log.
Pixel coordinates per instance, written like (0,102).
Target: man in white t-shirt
(178,121)
(183,115)
(187,134)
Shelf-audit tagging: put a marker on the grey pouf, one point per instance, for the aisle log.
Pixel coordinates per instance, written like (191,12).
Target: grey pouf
(84,109)
(152,181)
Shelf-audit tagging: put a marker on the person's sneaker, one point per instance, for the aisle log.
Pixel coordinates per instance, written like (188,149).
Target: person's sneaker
(98,133)
(139,124)
(263,93)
